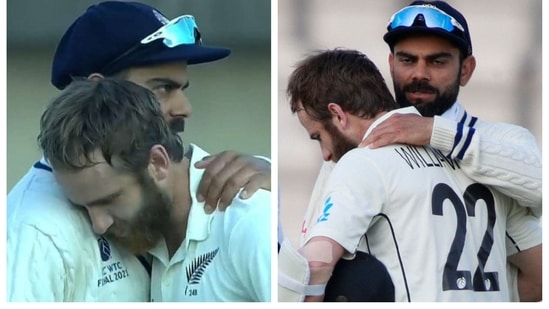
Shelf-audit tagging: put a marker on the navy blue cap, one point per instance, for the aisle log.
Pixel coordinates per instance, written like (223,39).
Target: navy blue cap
(462,40)
(109,29)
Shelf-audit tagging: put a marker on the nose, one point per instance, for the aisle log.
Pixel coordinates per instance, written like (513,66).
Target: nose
(326,155)
(421,71)
(180,106)
(101,221)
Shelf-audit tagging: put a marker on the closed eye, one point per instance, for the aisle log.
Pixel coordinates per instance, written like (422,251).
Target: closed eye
(315,137)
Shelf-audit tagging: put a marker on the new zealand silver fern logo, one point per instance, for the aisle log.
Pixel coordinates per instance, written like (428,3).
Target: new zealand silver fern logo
(326,211)
(197,267)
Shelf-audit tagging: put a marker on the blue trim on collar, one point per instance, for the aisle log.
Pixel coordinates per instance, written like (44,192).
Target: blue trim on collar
(42,166)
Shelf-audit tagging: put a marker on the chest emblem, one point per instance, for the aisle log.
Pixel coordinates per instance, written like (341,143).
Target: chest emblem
(104,249)
(197,267)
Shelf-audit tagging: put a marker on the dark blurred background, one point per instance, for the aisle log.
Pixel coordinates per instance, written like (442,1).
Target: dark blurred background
(230,98)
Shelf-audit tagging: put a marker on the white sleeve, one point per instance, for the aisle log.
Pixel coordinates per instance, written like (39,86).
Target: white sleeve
(36,271)
(252,257)
(502,155)
(354,194)
(314,208)
(523,230)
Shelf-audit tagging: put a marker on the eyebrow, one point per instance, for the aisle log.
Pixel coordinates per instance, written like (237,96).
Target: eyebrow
(100,201)
(429,57)
(169,81)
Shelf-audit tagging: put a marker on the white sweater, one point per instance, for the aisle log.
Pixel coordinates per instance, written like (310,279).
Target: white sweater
(501,155)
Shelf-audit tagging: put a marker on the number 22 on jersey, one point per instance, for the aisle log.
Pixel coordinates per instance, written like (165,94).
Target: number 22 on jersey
(452,277)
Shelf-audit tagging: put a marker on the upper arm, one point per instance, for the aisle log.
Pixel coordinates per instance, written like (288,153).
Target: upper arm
(250,247)
(35,268)
(354,194)
(322,252)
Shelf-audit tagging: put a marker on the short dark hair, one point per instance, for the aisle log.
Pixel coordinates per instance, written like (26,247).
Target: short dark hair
(118,117)
(342,76)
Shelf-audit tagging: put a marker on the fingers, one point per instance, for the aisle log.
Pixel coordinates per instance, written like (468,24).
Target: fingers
(257,181)
(226,184)
(379,137)
(204,162)
(368,140)
(209,183)
(228,172)
(408,129)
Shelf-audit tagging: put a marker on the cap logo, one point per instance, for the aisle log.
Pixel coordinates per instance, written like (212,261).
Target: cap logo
(161,18)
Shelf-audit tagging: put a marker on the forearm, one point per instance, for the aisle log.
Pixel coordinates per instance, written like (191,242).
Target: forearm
(529,281)
(529,291)
(503,156)
(322,253)
(320,274)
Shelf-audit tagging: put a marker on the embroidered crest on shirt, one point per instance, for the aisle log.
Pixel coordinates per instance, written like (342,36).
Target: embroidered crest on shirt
(326,211)
(113,270)
(104,248)
(197,267)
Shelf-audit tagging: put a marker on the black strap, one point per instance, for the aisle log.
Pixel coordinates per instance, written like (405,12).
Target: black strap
(145,264)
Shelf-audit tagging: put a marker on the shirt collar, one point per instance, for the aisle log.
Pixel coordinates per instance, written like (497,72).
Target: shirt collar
(403,110)
(198,226)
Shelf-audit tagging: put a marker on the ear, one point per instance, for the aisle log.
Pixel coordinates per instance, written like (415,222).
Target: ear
(391,58)
(467,69)
(159,163)
(96,76)
(339,117)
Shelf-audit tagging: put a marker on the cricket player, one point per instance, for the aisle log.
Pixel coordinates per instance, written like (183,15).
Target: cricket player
(53,253)
(503,156)
(441,235)
(115,157)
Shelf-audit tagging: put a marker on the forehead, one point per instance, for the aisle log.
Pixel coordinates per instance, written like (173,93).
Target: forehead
(425,44)
(175,71)
(90,183)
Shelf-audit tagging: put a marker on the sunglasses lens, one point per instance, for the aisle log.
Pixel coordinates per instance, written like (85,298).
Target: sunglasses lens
(182,30)
(433,18)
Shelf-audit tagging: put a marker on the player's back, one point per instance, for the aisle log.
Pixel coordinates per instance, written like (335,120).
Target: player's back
(53,254)
(441,236)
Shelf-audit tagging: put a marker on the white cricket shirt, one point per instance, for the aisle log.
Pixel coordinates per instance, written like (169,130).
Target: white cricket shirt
(53,254)
(225,257)
(426,221)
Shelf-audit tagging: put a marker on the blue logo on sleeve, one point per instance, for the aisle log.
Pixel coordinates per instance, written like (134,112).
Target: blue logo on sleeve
(326,211)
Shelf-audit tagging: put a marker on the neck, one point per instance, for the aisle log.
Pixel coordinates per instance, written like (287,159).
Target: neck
(362,125)
(179,216)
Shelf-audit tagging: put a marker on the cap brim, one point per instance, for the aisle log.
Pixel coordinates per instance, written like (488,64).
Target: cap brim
(396,34)
(193,54)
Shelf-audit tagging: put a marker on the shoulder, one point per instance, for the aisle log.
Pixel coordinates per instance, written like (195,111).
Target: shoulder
(37,202)
(246,219)
(259,204)
(362,162)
